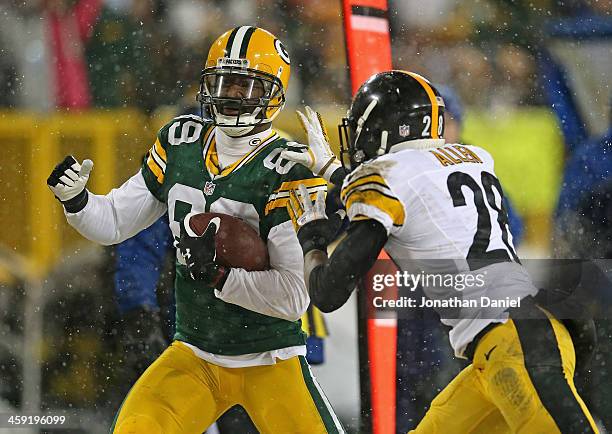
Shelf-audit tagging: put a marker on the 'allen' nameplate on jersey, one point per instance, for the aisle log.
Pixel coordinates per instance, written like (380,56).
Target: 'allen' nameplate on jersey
(449,155)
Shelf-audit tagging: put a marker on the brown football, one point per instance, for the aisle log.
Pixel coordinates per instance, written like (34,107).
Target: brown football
(238,243)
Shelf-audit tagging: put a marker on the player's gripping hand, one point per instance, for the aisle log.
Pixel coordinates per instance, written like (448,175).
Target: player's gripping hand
(315,230)
(68,181)
(200,254)
(319,157)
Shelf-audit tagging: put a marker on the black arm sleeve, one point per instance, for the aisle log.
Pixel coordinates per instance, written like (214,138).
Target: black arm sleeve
(331,284)
(338,176)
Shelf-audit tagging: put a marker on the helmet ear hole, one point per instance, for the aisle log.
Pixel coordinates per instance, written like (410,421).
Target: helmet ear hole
(359,156)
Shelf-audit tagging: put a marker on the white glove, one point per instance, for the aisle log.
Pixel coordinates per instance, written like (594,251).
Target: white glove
(304,210)
(319,157)
(315,231)
(68,180)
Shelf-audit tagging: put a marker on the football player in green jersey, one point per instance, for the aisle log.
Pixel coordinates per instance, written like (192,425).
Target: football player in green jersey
(238,338)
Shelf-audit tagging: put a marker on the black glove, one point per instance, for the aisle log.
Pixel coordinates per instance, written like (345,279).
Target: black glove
(200,253)
(68,181)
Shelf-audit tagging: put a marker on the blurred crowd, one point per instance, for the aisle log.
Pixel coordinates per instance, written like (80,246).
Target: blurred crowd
(486,49)
(148,53)
(78,54)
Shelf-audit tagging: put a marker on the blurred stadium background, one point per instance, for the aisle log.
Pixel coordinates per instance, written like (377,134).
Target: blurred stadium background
(96,78)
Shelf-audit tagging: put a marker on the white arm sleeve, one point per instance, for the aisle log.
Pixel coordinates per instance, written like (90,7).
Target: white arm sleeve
(119,215)
(279,292)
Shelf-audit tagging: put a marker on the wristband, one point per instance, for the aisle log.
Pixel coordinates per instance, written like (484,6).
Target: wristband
(77,203)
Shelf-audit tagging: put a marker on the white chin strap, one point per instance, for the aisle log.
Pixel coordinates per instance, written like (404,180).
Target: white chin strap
(237,131)
(226,123)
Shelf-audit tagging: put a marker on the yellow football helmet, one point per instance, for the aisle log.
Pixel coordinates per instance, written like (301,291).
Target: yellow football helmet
(244,80)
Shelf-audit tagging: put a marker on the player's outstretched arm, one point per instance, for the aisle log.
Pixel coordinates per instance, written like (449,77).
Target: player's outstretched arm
(331,281)
(108,219)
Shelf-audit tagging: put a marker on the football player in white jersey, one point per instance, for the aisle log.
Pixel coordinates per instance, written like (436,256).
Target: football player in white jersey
(438,208)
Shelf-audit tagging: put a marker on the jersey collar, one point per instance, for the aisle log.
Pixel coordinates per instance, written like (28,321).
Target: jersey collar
(417,144)
(239,146)
(247,146)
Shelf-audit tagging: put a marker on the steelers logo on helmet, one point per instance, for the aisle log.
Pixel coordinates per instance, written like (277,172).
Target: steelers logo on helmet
(391,110)
(244,79)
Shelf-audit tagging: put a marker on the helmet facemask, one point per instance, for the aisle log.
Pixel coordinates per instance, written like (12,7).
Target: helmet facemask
(350,156)
(361,139)
(239,99)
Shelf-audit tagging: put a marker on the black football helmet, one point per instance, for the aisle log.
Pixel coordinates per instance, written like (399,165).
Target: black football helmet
(391,107)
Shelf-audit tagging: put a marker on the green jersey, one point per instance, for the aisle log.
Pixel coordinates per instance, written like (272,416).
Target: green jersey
(182,170)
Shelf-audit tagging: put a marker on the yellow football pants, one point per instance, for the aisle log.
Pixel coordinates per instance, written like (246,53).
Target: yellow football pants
(520,381)
(181,393)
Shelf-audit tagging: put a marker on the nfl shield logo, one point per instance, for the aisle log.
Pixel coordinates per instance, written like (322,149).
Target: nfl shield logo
(404,130)
(209,188)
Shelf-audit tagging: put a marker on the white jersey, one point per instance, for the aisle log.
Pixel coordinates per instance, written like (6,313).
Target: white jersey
(443,210)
